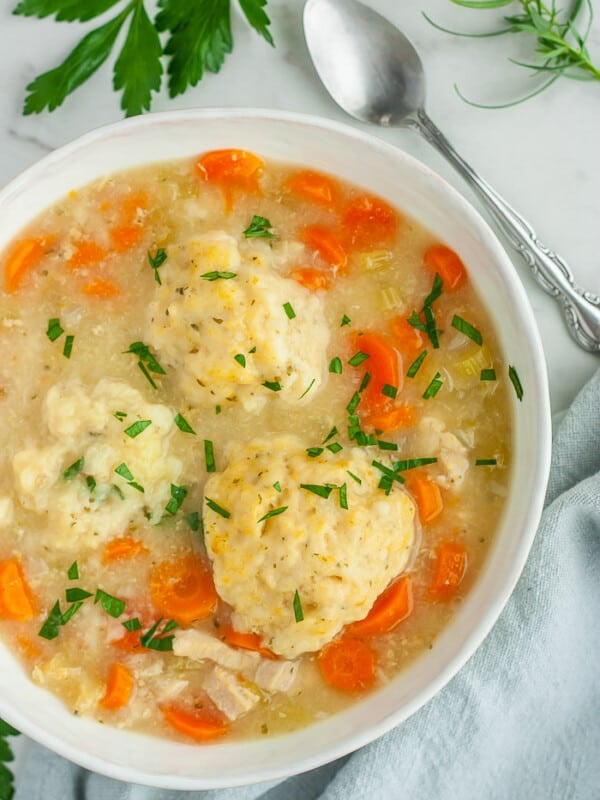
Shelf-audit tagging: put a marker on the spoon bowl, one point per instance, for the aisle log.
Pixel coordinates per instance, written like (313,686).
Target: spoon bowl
(374,73)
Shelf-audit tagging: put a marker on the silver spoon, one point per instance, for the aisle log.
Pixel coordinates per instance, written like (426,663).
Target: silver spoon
(375,74)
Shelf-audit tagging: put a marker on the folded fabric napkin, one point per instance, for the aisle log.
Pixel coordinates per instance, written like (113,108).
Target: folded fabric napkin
(520,721)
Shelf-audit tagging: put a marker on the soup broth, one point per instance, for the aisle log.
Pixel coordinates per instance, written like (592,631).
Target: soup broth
(255,441)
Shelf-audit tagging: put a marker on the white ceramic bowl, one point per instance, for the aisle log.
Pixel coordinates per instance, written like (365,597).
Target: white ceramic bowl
(368,162)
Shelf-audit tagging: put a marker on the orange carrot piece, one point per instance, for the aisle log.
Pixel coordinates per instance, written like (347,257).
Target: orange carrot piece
(370,221)
(16,599)
(124,237)
(101,288)
(122,547)
(24,256)
(86,254)
(392,420)
(202,725)
(326,244)
(427,495)
(447,264)
(119,687)
(183,590)
(314,186)
(408,338)
(129,642)
(383,365)
(310,278)
(450,568)
(231,170)
(347,664)
(245,641)
(393,606)
(131,205)
(29,649)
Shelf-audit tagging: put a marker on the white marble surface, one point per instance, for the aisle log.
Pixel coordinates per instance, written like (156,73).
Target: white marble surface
(543,156)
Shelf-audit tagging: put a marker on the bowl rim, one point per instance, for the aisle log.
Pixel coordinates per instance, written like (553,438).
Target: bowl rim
(538,384)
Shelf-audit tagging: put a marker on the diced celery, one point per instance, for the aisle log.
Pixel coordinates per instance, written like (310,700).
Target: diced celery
(471,366)
(391,298)
(376,259)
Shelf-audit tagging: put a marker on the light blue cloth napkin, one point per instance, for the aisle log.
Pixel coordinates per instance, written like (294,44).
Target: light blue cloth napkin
(521,721)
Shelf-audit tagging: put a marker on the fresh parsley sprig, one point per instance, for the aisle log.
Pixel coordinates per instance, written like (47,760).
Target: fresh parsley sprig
(6,755)
(196,37)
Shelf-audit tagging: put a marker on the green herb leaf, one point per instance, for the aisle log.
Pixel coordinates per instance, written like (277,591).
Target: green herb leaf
(358,358)
(209,456)
(434,387)
(260,227)
(353,404)
(354,477)
(274,386)
(217,275)
(514,379)
(73,572)
(486,462)
(313,452)
(68,348)
(138,427)
(465,327)
(132,625)
(331,434)
(391,474)
(412,463)
(120,415)
(124,471)
(343,495)
(138,69)
(183,424)
(65,10)
(321,491)
(178,495)
(50,628)
(156,261)
(90,482)
(334,447)
(345,321)
(298,613)
(386,445)
(335,365)
(241,360)
(146,361)
(290,313)
(73,470)
(253,9)
(153,641)
(365,382)
(194,520)
(214,506)
(436,291)
(416,365)
(54,330)
(488,375)
(112,605)
(273,513)
(50,89)
(277,486)
(389,391)
(308,388)
(75,594)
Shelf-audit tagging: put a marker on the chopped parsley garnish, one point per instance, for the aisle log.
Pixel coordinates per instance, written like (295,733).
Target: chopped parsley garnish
(386,445)
(514,379)
(416,364)
(434,387)
(436,291)
(54,330)
(153,641)
(209,456)
(252,350)
(112,605)
(90,482)
(345,321)
(308,388)
(428,326)
(146,361)
(298,613)
(334,447)
(412,463)
(136,486)
(290,313)
(178,495)
(486,462)
(214,506)
(73,572)
(335,365)
(358,358)
(217,275)
(313,452)
(68,348)
(343,495)
(465,327)
(354,477)
(183,424)
(124,471)
(331,434)
(353,404)
(275,512)
(73,470)
(391,474)
(365,382)
(56,619)
(319,490)
(274,386)
(241,360)
(138,427)
(156,261)
(260,227)
(416,321)
(118,490)
(132,625)
(120,415)
(488,375)
(194,520)
(217,409)
(389,391)
(76,594)
(277,486)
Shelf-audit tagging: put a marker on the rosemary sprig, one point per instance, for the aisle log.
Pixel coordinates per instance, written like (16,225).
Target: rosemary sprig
(560,46)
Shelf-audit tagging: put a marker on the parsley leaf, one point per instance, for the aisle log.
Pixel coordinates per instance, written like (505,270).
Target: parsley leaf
(259,227)
(138,70)
(253,9)
(50,89)
(6,755)
(65,10)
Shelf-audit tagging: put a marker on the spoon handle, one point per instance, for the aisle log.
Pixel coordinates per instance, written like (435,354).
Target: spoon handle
(581,308)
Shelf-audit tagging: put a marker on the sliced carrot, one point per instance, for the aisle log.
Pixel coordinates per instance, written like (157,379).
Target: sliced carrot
(16,598)
(132,204)
(408,338)
(392,420)
(310,278)
(101,288)
(391,607)
(129,642)
(86,254)
(24,256)
(245,641)
(370,221)
(383,365)
(449,570)
(201,725)
(427,495)
(124,237)
(326,244)
(447,264)
(314,186)
(183,590)
(29,649)
(231,170)
(347,664)
(122,547)
(119,687)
